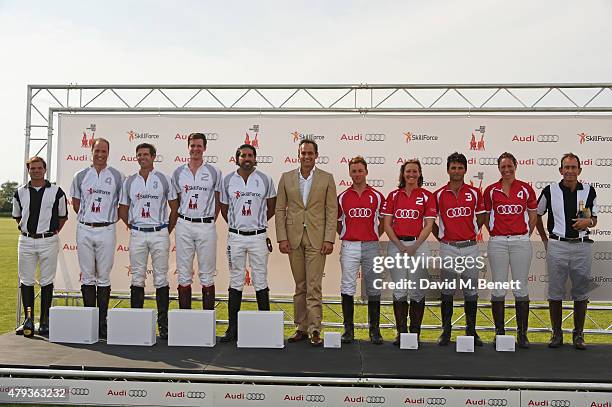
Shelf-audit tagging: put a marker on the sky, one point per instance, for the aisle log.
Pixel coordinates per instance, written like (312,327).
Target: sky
(285,42)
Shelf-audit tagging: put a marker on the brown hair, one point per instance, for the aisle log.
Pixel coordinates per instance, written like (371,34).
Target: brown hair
(97,139)
(358,160)
(569,155)
(34,160)
(196,136)
(402,181)
(506,155)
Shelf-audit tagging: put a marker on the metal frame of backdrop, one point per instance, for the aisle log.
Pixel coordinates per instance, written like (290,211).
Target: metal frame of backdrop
(44,102)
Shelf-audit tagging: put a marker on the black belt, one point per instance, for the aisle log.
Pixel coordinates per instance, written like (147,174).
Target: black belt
(571,239)
(197,220)
(407,238)
(38,235)
(152,229)
(247,232)
(97,224)
(460,244)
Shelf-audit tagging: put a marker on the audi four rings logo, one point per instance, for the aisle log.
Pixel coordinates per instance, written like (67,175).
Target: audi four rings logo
(375,399)
(264,159)
(323,159)
(137,393)
(604,208)
(374,137)
(603,162)
(458,212)
(79,391)
(376,183)
(509,209)
(255,396)
(487,161)
(436,401)
(547,138)
(407,214)
(541,254)
(196,395)
(543,184)
(431,160)
(547,161)
(211,136)
(375,160)
(497,402)
(360,212)
(211,159)
(602,256)
(315,398)
(560,403)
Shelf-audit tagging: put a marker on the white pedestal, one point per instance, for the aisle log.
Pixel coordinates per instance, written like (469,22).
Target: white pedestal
(465,344)
(409,341)
(504,343)
(128,326)
(261,329)
(192,328)
(332,339)
(73,324)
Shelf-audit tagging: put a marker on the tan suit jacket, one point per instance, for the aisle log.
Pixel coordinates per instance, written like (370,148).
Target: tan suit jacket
(319,215)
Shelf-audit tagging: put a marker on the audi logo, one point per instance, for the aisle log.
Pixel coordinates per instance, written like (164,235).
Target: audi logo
(497,402)
(264,159)
(322,159)
(459,212)
(407,214)
(374,137)
(431,160)
(509,209)
(375,399)
(560,403)
(211,159)
(255,396)
(540,254)
(315,398)
(158,158)
(376,183)
(211,136)
(603,162)
(375,160)
(547,161)
(436,401)
(137,393)
(196,395)
(547,138)
(360,212)
(487,161)
(543,184)
(602,256)
(79,391)
(604,208)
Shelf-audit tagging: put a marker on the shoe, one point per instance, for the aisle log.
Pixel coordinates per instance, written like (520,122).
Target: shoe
(208,297)
(184,296)
(263,299)
(162,298)
(298,336)
(555,309)
(234,302)
(580,308)
(400,309)
(46,299)
(103,297)
(315,339)
(522,322)
(374,320)
(471,309)
(348,311)
(137,295)
(498,309)
(446,312)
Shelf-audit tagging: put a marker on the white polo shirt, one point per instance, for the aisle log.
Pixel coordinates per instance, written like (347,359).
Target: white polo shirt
(247,202)
(148,201)
(98,193)
(197,192)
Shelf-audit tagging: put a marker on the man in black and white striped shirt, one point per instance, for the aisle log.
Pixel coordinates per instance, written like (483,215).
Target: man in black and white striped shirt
(572,210)
(39,208)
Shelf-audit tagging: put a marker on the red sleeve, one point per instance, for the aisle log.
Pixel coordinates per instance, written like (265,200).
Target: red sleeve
(388,208)
(431,210)
(532,201)
(480,206)
(487,199)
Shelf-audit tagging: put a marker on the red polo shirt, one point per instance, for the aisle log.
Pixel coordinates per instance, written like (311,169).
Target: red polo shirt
(457,213)
(508,213)
(409,211)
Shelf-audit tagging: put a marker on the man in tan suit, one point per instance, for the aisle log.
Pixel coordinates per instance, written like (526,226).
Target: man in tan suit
(306,215)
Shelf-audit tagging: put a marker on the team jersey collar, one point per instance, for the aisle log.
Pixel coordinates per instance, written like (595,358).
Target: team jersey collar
(498,185)
(579,186)
(461,188)
(47,184)
(416,190)
(367,188)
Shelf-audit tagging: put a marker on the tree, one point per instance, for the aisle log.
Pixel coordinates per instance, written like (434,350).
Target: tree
(7,190)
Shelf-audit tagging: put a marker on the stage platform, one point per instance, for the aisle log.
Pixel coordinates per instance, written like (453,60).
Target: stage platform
(357,360)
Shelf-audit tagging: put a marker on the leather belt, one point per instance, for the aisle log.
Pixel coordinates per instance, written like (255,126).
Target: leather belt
(247,232)
(38,235)
(151,229)
(407,238)
(460,244)
(197,220)
(571,239)
(96,224)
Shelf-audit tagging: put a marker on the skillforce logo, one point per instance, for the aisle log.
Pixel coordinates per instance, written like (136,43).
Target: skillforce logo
(254,141)
(133,135)
(87,141)
(477,142)
(585,137)
(409,136)
(299,136)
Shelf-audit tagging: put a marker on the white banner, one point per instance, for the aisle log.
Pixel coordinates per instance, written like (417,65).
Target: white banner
(385,141)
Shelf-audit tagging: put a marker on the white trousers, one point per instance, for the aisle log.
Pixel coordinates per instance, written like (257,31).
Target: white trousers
(141,245)
(238,247)
(96,253)
(512,252)
(353,255)
(400,275)
(32,252)
(192,238)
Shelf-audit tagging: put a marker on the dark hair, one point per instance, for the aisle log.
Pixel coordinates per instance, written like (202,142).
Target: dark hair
(34,160)
(506,155)
(402,181)
(309,141)
(456,158)
(151,148)
(358,160)
(97,139)
(250,147)
(196,136)
(569,155)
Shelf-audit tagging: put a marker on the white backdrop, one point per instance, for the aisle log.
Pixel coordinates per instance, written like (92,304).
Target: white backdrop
(537,142)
